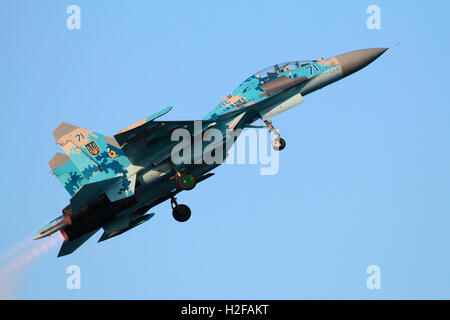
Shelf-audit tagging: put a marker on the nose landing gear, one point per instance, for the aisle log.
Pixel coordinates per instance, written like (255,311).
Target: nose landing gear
(180,212)
(278,143)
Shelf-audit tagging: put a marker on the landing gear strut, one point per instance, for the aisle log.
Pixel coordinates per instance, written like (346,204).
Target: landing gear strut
(180,212)
(278,143)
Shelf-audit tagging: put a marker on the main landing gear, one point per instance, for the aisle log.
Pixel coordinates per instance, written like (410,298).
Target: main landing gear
(186,181)
(278,143)
(180,212)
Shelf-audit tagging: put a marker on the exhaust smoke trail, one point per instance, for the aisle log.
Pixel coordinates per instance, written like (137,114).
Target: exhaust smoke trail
(15,249)
(15,262)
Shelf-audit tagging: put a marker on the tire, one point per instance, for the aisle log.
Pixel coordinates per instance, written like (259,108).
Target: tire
(181,213)
(278,144)
(282,144)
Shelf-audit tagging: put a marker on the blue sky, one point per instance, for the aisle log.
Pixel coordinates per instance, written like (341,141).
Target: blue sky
(364,178)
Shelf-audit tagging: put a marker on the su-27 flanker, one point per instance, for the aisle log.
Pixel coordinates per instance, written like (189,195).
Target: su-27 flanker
(113,182)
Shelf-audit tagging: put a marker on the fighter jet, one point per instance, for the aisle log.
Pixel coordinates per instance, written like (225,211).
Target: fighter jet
(114,181)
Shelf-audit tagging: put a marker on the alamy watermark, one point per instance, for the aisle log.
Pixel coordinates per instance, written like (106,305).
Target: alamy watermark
(215,146)
(74,279)
(374,279)
(73,22)
(373,22)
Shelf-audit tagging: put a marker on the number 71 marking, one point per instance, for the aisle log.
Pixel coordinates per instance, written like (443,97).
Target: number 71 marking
(311,68)
(79,136)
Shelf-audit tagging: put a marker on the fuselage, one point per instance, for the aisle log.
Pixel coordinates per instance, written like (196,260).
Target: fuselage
(268,90)
(282,81)
(265,93)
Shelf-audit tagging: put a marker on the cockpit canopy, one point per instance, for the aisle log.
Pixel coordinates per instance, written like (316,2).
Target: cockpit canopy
(280,68)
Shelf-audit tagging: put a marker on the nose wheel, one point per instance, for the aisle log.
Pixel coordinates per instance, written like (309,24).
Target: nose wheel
(278,143)
(180,212)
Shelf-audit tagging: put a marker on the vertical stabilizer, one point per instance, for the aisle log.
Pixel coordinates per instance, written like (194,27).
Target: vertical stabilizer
(66,172)
(97,157)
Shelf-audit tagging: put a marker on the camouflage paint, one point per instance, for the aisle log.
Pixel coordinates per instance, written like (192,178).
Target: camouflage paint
(94,157)
(256,89)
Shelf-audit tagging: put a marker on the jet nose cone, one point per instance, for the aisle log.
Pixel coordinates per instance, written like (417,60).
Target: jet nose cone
(356,60)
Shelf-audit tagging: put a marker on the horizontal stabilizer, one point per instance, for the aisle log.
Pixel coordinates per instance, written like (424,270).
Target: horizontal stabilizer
(91,191)
(134,223)
(70,246)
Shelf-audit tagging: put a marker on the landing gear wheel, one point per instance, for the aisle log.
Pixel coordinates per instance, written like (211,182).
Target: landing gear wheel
(181,213)
(186,181)
(278,144)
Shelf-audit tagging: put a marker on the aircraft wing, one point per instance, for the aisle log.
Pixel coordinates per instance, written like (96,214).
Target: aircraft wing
(123,224)
(150,142)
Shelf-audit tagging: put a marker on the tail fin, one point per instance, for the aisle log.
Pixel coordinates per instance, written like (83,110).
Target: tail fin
(67,173)
(96,156)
